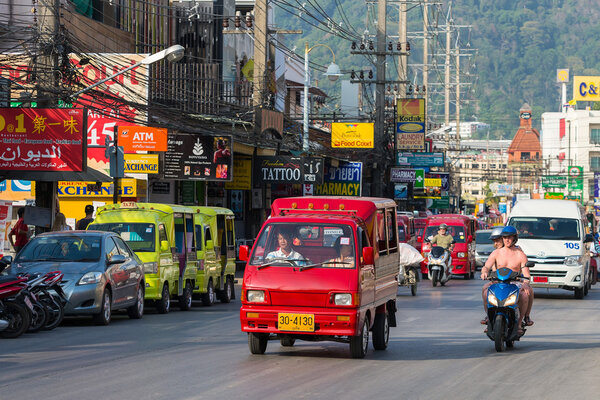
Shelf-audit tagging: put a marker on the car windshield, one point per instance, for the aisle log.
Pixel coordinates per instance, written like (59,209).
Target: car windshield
(139,236)
(457,232)
(483,237)
(65,248)
(305,246)
(546,228)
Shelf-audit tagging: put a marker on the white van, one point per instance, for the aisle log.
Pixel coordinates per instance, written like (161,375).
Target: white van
(552,233)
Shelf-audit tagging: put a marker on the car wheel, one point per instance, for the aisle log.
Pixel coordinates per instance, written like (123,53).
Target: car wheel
(579,293)
(136,311)
(257,343)
(360,344)
(164,304)
(18,320)
(185,300)
(381,331)
(103,317)
(208,298)
(227,292)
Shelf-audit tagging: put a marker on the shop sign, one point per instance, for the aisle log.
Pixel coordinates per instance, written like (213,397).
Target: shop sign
(198,157)
(141,163)
(428,193)
(142,138)
(444,177)
(242,175)
(442,203)
(278,169)
(410,124)
(502,207)
(403,175)
(575,178)
(343,180)
(161,187)
(352,135)
(419,159)
(574,198)
(433,182)
(35,139)
(127,188)
(400,191)
(554,181)
(554,195)
(586,88)
(313,170)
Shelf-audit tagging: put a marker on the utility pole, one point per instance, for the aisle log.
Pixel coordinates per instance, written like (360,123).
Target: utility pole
(447,86)
(457,98)
(380,87)
(402,59)
(426,56)
(260,51)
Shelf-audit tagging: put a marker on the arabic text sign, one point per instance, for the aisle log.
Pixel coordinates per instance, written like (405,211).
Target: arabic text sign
(421,159)
(141,163)
(352,135)
(343,180)
(142,138)
(41,139)
(586,88)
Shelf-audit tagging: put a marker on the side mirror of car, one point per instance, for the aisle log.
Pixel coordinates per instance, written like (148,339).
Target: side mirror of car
(164,246)
(210,245)
(469,238)
(368,258)
(243,256)
(116,259)
(588,238)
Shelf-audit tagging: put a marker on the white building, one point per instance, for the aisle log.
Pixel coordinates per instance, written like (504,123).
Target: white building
(572,139)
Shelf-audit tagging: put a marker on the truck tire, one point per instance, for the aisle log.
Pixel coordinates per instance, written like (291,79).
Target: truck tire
(208,298)
(185,300)
(360,344)
(579,292)
(226,294)
(257,343)
(381,331)
(164,304)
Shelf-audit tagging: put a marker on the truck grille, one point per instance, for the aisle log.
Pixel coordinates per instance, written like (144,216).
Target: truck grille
(549,260)
(550,274)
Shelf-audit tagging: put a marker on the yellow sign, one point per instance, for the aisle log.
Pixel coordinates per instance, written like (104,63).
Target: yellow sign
(554,196)
(357,135)
(242,175)
(411,110)
(433,182)
(586,88)
(562,75)
(141,163)
(128,188)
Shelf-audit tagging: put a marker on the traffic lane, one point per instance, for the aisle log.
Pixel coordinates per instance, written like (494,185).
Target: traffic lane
(439,344)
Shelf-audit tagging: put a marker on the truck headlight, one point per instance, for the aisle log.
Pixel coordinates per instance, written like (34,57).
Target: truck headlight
(461,255)
(255,296)
(151,268)
(573,261)
(90,278)
(342,299)
(492,299)
(512,299)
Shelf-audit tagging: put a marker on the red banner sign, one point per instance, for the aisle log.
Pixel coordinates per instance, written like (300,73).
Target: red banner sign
(34,139)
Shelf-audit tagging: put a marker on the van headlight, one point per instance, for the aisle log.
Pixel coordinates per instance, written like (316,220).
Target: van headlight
(342,299)
(492,299)
(151,268)
(512,299)
(255,296)
(90,278)
(461,255)
(573,261)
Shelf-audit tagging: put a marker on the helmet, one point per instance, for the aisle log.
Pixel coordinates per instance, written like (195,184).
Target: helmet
(443,226)
(509,231)
(496,233)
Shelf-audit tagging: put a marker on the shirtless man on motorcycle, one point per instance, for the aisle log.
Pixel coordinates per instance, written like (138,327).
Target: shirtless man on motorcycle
(511,256)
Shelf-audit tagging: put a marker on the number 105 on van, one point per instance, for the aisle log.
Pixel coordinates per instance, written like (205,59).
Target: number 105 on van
(296,322)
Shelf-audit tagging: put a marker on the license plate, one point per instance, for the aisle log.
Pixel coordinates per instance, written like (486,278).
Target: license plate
(542,279)
(296,322)
(28,303)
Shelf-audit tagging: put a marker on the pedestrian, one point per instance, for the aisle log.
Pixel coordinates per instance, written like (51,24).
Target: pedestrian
(83,223)
(60,223)
(19,234)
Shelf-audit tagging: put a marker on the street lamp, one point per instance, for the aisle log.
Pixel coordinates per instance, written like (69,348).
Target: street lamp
(333,73)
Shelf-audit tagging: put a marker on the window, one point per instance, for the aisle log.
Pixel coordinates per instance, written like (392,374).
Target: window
(380,232)
(230,238)
(475,166)
(111,248)
(595,136)
(139,235)
(123,249)
(492,166)
(503,165)
(199,236)
(390,220)
(162,233)
(298,98)
(475,192)
(525,156)
(595,163)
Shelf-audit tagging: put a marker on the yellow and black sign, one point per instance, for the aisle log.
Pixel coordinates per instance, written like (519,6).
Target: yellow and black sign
(141,163)
(352,135)
(586,88)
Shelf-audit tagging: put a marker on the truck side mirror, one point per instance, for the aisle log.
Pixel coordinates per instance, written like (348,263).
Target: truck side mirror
(367,255)
(243,256)
(209,245)
(419,239)
(469,238)
(164,246)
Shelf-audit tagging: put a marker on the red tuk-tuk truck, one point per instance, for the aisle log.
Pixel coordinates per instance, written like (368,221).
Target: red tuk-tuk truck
(406,229)
(462,228)
(336,282)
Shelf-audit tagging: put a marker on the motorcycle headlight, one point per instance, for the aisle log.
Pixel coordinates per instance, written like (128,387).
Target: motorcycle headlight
(461,254)
(573,261)
(342,299)
(492,299)
(512,299)
(90,278)
(255,296)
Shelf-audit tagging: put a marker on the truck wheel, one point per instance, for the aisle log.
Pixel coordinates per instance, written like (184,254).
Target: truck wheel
(434,278)
(579,293)
(381,331)
(499,333)
(360,344)
(257,343)
(287,341)
(185,300)
(164,304)
(208,298)
(227,293)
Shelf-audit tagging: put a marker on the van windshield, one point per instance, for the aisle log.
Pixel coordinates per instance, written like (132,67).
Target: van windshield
(457,232)
(483,237)
(139,236)
(305,245)
(546,228)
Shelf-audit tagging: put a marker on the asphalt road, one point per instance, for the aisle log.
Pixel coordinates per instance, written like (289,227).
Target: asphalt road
(438,351)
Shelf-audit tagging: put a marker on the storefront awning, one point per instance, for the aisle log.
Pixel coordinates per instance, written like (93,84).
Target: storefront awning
(91,175)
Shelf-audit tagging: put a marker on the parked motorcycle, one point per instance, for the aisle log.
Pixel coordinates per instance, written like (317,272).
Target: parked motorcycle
(14,317)
(48,300)
(438,265)
(503,308)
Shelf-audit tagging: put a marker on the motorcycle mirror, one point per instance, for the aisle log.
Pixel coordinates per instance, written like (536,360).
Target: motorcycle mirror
(530,264)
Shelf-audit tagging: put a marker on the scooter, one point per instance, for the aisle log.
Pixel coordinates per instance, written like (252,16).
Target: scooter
(503,309)
(14,318)
(438,265)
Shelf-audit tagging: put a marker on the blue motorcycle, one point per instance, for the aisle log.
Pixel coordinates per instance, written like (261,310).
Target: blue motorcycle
(503,308)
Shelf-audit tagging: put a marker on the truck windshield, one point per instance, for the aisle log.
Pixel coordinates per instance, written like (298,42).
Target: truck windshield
(304,246)
(546,228)
(457,232)
(139,236)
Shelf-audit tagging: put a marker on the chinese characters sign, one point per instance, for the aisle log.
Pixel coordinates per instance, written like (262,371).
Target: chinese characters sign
(42,139)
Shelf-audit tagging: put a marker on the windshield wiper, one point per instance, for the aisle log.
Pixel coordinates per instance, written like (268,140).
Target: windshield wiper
(292,262)
(305,267)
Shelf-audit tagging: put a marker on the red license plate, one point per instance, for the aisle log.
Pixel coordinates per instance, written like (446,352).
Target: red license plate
(543,279)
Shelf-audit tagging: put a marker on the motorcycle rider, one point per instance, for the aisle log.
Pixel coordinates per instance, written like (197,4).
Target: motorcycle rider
(512,257)
(496,238)
(444,240)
